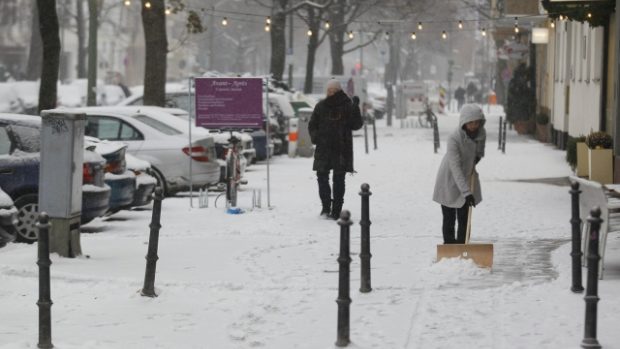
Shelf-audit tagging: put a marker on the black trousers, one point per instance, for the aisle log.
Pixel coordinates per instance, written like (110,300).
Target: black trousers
(325,191)
(450,215)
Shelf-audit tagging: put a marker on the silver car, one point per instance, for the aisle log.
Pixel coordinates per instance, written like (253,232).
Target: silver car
(166,148)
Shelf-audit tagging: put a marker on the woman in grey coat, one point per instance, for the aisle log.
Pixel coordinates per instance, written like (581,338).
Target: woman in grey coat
(452,187)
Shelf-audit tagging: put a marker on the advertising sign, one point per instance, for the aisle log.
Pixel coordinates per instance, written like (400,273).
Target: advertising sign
(229,102)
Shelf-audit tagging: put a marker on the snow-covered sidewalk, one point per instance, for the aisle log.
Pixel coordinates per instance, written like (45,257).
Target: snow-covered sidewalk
(268,278)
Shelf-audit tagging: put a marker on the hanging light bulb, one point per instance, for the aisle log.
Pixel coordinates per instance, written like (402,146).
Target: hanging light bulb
(484,32)
(561,18)
(351,34)
(444,35)
(419,25)
(268,20)
(516,25)
(460,24)
(413,36)
(309,33)
(147,4)
(267,27)
(224,21)
(127,3)
(327,25)
(589,14)
(168,11)
(552,25)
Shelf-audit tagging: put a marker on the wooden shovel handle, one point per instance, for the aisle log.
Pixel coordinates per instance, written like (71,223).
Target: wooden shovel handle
(470,210)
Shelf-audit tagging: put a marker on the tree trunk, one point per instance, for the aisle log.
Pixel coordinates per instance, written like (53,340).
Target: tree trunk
(48,23)
(313,44)
(35,55)
(91,93)
(81,35)
(278,44)
(154,23)
(391,74)
(336,37)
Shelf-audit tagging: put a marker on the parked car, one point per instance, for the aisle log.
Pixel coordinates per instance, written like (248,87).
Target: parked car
(145,183)
(19,174)
(158,143)
(121,181)
(8,219)
(9,101)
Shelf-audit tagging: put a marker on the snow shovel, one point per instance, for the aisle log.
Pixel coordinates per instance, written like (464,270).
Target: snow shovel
(481,254)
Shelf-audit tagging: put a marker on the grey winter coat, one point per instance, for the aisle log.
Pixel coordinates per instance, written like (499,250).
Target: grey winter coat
(453,178)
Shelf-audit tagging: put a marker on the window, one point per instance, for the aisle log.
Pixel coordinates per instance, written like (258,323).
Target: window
(180,101)
(5,142)
(111,129)
(28,138)
(158,125)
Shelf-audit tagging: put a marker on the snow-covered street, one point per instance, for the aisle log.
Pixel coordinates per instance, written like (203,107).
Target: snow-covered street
(268,278)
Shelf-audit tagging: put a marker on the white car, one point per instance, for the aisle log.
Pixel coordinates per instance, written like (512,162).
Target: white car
(158,143)
(181,124)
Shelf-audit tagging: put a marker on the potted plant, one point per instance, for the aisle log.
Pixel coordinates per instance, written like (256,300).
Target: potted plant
(542,127)
(600,157)
(521,101)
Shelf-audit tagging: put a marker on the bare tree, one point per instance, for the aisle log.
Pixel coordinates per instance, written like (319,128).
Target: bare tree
(48,24)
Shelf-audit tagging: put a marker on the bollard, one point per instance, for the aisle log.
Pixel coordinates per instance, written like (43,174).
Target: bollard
(374,132)
(504,138)
(576,239)
(365,251)
(591,298)
(344,260)
(435,135)
(45,301)
(499,137)
(366,134)
(151,257)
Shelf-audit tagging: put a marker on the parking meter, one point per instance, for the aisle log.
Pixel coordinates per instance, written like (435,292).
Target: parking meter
(60,178)
(304,144)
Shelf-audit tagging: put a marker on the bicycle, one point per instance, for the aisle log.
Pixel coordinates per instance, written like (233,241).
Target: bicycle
(427,118)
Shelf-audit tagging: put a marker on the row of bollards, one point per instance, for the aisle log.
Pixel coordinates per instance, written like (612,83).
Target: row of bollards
(591,298)
(502,135)
(344,261)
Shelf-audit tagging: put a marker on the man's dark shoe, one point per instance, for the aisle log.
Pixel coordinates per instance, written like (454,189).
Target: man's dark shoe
(327,206)
(336,209)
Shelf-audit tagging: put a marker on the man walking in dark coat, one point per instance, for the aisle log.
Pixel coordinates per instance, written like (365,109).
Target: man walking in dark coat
(330,128)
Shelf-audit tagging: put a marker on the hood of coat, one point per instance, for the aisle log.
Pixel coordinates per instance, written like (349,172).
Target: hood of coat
(471,112)
(337,98)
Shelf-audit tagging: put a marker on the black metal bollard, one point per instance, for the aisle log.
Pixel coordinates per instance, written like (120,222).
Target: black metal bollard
(374,132)
(365,251)
(148,289)
(45,301)
(504,138)
(344,300)
(576,253)
(591,298)
(366,133)
(499,146)
(435,135)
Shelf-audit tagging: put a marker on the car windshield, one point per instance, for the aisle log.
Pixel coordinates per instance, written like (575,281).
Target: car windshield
(158,125)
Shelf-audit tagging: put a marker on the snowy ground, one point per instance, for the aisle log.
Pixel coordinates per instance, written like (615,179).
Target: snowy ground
(268,278)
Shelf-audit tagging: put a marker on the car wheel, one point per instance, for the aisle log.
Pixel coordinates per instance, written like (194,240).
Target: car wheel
(27,217)
(161,181)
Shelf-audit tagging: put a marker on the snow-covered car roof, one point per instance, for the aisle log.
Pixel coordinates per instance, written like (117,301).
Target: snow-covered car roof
(28,120)
(103,147)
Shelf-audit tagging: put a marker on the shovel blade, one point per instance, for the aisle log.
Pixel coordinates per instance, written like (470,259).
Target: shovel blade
(481,254)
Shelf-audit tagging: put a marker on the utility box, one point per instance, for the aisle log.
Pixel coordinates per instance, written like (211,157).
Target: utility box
(60,178)
(304,144)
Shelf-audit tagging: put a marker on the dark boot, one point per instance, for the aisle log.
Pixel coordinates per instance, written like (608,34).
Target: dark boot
(327,207)
(339,188)
(325,192)
(336,209)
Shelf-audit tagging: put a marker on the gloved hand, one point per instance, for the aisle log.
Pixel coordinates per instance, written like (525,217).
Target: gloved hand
(470,201)
(356,100)
(477,160)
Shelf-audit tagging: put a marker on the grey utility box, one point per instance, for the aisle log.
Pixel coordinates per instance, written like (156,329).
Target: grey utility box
(304,144)
(60,177)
